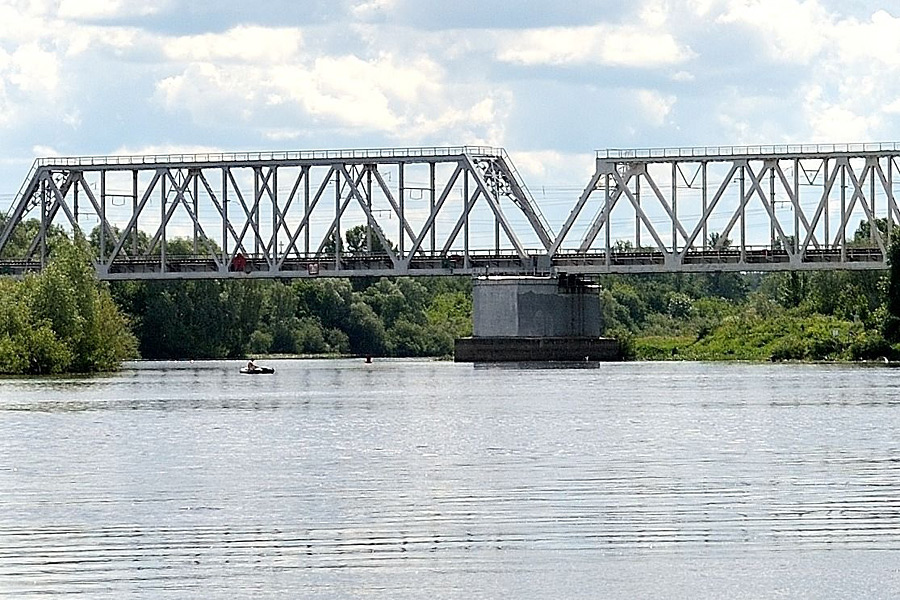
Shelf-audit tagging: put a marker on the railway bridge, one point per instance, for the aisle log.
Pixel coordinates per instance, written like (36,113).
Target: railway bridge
(466,211)
(459,210)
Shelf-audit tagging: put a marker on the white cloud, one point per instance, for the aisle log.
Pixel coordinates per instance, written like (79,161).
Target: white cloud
(836,121)
(253,74)
(541,165)
(33,69)
(265,45)
(369,9)
(877,40)
(167,149)
(656,106)
(106,9)
(655,13)
(625,46)
(44,151)
(792,30)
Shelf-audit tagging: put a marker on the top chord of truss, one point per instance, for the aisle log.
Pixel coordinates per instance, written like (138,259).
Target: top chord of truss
(374,154)
(723,153)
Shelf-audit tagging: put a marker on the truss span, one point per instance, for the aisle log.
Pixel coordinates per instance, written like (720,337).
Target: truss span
(459,210)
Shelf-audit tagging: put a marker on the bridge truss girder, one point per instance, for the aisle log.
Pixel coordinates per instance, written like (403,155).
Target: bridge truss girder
(278,214)
(801,207)
(462,210)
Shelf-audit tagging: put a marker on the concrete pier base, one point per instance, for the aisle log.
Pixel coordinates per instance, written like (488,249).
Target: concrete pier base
(534,349)
(524,319)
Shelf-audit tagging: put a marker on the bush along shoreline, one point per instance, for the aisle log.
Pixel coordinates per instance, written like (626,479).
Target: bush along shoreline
(62,320)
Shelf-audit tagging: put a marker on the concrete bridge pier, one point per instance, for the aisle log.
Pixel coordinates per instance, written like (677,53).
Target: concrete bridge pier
(525,319)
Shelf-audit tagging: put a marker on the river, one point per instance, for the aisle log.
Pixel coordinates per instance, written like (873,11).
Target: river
(426,479)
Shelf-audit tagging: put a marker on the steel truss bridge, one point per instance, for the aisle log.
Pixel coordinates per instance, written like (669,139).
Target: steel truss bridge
(459,210)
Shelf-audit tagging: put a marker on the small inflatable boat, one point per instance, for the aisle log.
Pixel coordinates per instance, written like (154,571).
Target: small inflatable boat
(257,371)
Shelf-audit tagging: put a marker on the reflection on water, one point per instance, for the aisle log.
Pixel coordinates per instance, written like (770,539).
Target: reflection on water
(415,478)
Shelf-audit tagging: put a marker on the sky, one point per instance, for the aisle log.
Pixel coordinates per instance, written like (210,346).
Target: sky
(549,81)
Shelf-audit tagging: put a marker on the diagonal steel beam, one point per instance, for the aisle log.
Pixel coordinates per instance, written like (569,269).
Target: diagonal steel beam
(136,213)
(495,207)
(770,208)
(354,191)
(666,206)
(823,203)
(641,214)
(393,202)
(429,223)
(304,222)
(795,202)
(281,213)
(239,247)
(576,211)
(858,193)
(606,212)
(460,222)
(58,202)
(340,213)
(521,199)
(704,219)
(104,223)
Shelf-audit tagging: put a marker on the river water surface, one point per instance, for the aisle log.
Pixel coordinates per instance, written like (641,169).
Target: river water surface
(418,479)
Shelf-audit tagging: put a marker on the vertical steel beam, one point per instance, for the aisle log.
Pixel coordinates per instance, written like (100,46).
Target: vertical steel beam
(843,227)
(162,225)
(103,224)
(369,222)
(196,203)
(306,170)
(466,218)
(772,218)
(496,191)
(402,234)
(134,214)
(675,168)
(827,202)
(225,221)
(743,211)
(43,231)
(337,218)
(637,203)
(432,167)
(873,206)
(797,206)
(273,193)
(608,229)
(705,200)
(889,190)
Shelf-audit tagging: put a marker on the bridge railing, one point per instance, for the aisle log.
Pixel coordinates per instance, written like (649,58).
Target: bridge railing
(751,150)
(234,157)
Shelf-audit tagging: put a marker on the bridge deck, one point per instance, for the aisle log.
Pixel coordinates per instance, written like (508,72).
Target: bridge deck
(203,267)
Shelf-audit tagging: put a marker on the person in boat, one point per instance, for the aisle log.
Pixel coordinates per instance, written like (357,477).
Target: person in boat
(250,365)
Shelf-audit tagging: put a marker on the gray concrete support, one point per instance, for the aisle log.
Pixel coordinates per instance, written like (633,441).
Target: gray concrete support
(535,307)
(535,319)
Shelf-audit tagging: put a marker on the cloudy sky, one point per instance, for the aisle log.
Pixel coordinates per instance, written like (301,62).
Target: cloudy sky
(549,81)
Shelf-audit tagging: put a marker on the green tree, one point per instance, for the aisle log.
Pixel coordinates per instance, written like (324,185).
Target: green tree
(366,331)
(891,327)
(359,237)
(62,319)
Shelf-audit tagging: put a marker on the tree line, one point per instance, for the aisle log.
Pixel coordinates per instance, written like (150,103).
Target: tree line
(229,319)
(63,319)
(818,315)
